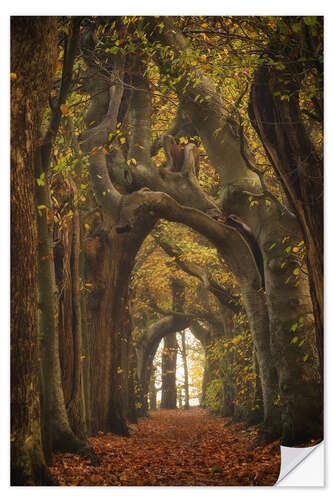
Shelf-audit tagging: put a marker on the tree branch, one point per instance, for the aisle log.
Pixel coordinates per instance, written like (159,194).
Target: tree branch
(207,280)
(266,193)
(71,43)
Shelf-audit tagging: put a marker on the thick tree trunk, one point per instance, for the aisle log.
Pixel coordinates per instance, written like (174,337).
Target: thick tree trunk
(109,261)
(169,365)
(279,124)
(33,57)
(289,302)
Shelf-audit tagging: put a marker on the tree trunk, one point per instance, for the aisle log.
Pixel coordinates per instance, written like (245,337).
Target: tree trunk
(186,385)
(279,124)
(169,365)
(286,293)
(66,260)
(132,413)
(109,261)
(33,58)
(57,433)
(152,393)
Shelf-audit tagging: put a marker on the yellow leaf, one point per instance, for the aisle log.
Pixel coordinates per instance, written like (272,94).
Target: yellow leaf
(13,76)
(122,140)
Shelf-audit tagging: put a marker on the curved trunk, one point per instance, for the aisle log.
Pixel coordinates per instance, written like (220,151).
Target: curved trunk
(288,300)
(147,346)
(235,253)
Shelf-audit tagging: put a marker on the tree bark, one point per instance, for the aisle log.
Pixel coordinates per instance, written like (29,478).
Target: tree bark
(57,433)
(67,262)
(287,294)
(110,258)
(280,126)
(169,365)
(186,383)
(152,393)
(33,58)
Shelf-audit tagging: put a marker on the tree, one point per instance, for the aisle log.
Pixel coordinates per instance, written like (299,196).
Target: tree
(33,59)
(169,365)
(131,81)
(281,94)
(56,430)
(297,365)
(184,358)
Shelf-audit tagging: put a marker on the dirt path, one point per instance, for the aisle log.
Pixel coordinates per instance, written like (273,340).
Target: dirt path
(174,448)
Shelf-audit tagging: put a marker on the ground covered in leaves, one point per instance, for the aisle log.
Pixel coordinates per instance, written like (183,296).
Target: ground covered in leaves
(174,448)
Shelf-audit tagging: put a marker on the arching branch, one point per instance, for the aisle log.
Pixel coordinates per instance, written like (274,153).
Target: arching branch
(223,296)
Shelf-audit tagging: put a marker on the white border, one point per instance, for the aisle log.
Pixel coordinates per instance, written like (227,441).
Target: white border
(130,7)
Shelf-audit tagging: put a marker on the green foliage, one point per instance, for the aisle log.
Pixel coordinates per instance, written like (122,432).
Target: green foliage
(235,373)
(213,398)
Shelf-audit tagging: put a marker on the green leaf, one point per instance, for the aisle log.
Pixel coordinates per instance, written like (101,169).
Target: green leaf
(215,469)
(294,340)
(310,20)
(296,27)
(113,50)
(293,327)
(306,357)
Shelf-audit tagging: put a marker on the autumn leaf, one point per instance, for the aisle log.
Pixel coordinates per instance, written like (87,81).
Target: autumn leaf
(174,448)
(65,110)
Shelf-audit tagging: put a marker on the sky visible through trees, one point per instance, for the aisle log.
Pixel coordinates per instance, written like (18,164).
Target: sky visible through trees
(195,365)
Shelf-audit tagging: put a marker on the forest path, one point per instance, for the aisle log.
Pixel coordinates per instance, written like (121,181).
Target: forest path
(174,448)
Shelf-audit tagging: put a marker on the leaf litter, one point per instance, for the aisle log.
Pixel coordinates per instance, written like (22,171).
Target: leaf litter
(174,448)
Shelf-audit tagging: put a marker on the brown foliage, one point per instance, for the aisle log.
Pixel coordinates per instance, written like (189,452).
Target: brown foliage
(174,448)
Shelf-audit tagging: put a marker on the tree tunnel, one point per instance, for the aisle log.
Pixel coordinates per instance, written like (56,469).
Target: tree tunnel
(146,349)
